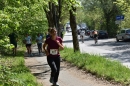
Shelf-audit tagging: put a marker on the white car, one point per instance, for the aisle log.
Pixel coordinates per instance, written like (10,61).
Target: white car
(123,35)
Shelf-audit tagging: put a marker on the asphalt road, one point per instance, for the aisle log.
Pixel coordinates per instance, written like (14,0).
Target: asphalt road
(119,51)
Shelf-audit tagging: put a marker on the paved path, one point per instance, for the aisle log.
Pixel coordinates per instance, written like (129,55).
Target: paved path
(69,75)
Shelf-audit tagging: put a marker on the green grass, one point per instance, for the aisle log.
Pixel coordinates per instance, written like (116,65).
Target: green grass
(98,65)
(13,72)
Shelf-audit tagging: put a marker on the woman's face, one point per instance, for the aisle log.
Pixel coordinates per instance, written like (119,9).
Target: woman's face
(54,33)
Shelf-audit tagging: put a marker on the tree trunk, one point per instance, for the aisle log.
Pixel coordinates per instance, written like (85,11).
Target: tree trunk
(49,15)
(50,19)
(57,16)
(53,15)
(74,29)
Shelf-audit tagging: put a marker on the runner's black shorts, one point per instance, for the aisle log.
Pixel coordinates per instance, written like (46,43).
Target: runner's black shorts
(95,35)
(28,45)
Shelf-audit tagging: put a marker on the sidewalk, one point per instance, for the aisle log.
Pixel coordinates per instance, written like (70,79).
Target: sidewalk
(69,75)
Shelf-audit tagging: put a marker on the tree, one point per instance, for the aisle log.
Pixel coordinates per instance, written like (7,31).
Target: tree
(109,11)
(23,16)
(73,25)
(28,16)
(53,14)
(125,9)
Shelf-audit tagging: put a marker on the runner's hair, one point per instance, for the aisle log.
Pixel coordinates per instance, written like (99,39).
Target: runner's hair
(52,30)
(49,29)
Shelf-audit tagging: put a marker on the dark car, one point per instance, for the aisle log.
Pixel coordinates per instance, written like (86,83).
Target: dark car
(102,34)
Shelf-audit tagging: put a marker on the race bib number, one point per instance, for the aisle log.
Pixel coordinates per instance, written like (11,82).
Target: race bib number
(54,51)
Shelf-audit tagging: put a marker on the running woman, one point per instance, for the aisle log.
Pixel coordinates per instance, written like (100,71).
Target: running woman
(51,47)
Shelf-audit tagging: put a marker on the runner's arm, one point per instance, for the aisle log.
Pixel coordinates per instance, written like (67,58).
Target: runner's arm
(61,47)
(44,47)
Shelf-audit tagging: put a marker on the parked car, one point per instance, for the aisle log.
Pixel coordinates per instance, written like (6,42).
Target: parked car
(83,26)
(102,34)
(68,28)
(123,35)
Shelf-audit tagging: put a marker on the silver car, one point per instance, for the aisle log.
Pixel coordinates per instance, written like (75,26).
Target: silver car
(123,35)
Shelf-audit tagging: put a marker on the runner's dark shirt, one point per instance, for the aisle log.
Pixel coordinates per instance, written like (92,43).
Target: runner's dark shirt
(52,44)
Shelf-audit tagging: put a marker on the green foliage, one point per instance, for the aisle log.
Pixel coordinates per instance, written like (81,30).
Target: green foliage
(122,4)
(126,23)
(21,17)
(14,72)
(98,65)
(5,47)
(101,14)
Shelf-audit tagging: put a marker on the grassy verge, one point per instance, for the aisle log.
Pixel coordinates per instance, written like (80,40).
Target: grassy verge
(14,73)
(98,65)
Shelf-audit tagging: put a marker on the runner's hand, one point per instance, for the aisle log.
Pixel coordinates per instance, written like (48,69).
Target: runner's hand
(57,42)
